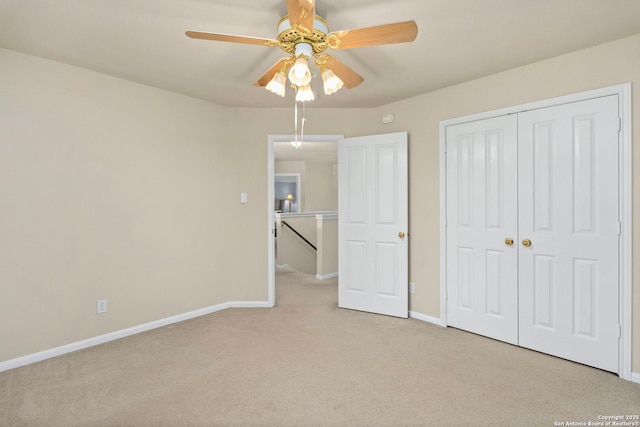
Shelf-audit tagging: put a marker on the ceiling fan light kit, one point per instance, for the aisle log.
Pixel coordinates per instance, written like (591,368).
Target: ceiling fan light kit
(303,35)
(304,93)
(277,84)
(300,74)
(332,83)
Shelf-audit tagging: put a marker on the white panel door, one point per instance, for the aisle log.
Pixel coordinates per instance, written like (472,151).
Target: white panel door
(372,222)
(568,192)
(482,272)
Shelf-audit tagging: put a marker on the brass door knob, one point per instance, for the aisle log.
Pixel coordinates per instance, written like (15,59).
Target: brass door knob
(508,241)
(401,234)
(526,243)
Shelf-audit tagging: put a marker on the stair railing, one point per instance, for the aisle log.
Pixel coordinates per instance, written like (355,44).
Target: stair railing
(299,235)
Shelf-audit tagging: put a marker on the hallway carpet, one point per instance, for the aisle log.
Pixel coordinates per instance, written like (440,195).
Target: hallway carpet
(308,363)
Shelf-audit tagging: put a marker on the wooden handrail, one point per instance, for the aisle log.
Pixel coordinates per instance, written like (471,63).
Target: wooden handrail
(299,235)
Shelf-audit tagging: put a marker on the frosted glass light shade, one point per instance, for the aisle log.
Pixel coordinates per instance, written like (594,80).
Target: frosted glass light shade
(332,83)
(300,74)
(277,84)
(305,93)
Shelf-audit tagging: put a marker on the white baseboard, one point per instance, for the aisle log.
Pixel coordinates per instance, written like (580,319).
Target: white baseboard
(635,377)
(327,276)
(425,318)
(250,304)
(101,339)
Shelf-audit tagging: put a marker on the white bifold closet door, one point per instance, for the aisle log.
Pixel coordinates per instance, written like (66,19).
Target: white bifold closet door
(568,209)
(533,229)
(482,211)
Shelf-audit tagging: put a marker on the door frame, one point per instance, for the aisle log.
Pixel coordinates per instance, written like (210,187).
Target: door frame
(625,203)
(271,258)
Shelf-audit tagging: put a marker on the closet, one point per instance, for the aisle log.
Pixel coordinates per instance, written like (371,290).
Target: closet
(533,228)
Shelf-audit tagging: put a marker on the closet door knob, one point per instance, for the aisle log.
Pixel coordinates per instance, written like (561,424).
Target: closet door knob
(526,243)
(401,234)
(508,241)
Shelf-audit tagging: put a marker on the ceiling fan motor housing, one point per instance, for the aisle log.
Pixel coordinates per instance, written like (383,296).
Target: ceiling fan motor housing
(290,37)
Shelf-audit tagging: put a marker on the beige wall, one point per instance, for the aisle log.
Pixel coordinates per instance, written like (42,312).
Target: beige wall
(112,190)
(321,187)
(318,183)
(108,189)
(327,230)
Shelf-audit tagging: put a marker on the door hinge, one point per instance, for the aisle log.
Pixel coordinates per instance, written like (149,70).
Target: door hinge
(619,228)
(619,331)
(619,124)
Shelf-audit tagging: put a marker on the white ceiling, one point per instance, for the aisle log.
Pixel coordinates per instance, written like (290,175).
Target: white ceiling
(458,40)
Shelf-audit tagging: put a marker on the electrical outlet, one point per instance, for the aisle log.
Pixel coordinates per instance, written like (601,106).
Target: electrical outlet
(412,287)
(102,306)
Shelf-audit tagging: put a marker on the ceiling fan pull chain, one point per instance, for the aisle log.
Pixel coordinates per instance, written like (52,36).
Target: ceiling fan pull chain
(302,125)
(295,121)
(295,141)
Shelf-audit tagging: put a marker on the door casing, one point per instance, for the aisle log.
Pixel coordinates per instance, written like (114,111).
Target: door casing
(625,179)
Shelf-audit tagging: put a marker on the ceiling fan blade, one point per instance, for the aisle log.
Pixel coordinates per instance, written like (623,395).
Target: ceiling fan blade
(301,13)
(400,32)
(349,77)
(266,77)
(232,38)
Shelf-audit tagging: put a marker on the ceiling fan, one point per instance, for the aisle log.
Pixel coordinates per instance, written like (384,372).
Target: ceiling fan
(303,35)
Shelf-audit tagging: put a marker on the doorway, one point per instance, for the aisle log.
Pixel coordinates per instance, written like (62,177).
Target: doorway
(287,191)
(310,140)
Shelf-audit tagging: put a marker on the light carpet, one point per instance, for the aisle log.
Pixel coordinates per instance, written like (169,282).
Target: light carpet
(308,363)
